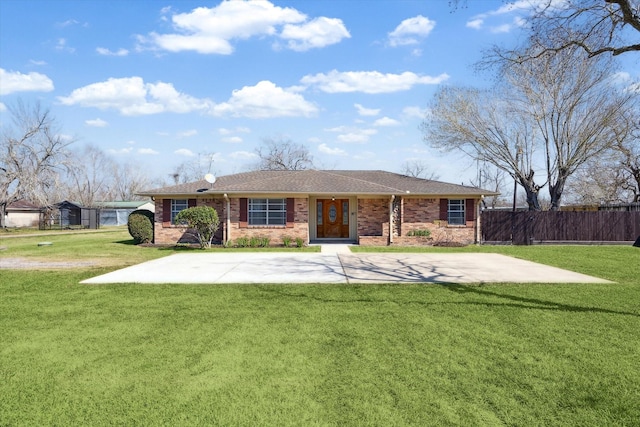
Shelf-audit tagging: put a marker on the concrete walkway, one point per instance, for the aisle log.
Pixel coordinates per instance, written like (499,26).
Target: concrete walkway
(336,264)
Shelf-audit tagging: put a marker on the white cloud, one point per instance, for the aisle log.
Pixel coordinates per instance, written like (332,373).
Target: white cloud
(121,151)
(147,151)
(324,148)
(623,78)
(386,121)
(107,52)
(319,32)
(211,30)
(187,133)
(476,23)
(353,135)
(232,140)
(61,44)
(366,111)
(2,107)
(96,123)
(239,129)
(265,100)
(516,7)
(411,31)
(38,63)
(14,81)
(131,96)
(369,81)
(414,111)
(184,152)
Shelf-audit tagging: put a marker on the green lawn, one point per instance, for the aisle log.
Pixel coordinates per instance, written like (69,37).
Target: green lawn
(388,355)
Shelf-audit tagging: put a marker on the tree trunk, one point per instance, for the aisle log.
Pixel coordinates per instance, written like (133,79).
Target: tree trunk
(531,189)
(3,214)
(555,192)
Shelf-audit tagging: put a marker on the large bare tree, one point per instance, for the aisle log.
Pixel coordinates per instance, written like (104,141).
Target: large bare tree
(595,26)
(577,109)
(550,115)
(89,176)
(283,154)
(31,154)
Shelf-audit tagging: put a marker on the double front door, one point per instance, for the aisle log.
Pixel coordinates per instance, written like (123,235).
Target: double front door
(333,218)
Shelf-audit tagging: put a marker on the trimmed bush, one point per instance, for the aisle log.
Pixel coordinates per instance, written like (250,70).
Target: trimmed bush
(201,221)
(140,225)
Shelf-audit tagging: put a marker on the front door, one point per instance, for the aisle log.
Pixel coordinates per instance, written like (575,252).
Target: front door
(333,218)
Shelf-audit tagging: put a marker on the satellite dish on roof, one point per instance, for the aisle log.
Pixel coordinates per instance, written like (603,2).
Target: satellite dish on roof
(210,178)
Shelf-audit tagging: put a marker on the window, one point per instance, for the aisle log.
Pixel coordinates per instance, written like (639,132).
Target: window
(455,212)
(267,212)
(176,206)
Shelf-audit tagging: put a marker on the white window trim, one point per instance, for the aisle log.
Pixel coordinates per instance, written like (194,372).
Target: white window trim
(282,213)
(177,206)
(457,220)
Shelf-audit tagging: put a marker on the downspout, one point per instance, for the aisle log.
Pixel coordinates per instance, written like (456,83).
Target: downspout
(225,235)
(391,199)
(478,210)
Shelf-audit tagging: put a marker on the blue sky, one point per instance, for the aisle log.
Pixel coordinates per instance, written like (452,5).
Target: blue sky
(156,82)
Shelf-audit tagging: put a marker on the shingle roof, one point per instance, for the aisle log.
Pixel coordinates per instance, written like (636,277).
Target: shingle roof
(361,182)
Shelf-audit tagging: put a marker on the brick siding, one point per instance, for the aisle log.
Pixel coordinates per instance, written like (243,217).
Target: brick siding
(172,234)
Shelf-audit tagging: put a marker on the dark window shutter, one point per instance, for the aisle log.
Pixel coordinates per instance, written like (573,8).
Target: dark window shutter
(166,212)
(469,211)
(291,203)
(191,203)
(444,209)
(244,210)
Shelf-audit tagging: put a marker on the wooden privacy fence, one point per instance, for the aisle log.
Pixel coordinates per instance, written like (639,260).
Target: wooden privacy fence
(529,227)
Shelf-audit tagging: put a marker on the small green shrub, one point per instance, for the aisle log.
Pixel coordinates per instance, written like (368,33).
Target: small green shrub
(299,242)
(242,242)
(140,225)
(287,241)
(259,242)
(420,233)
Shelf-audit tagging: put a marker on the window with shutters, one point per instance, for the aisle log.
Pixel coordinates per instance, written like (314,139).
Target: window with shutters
(267,212)
(178,205)
(455,212)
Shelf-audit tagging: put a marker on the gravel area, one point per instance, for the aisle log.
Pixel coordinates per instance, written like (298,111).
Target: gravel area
(24,263)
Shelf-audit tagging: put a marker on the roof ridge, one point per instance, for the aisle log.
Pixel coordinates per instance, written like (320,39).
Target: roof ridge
(364,180)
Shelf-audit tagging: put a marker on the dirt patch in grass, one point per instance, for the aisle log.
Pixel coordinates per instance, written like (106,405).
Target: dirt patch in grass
(30,264)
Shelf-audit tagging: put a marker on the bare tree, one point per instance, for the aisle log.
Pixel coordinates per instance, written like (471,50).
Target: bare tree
(89,177)
(485,126)
(194,169)
(578,112)
(552,114)
(595,26)
(613,177)
(418,169)
(494,179)
(30,156)
(283,155)
(626,150)
(128,180)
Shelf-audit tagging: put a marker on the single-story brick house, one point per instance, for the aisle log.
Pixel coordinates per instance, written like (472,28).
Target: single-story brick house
(359,206)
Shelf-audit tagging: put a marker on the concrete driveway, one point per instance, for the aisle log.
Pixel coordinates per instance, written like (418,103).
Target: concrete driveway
(340,267)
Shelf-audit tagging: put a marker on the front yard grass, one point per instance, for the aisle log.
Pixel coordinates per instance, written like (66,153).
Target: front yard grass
(323,355)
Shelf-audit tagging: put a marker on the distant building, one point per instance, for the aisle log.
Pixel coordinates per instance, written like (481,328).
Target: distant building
(117,213)
(22,214)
